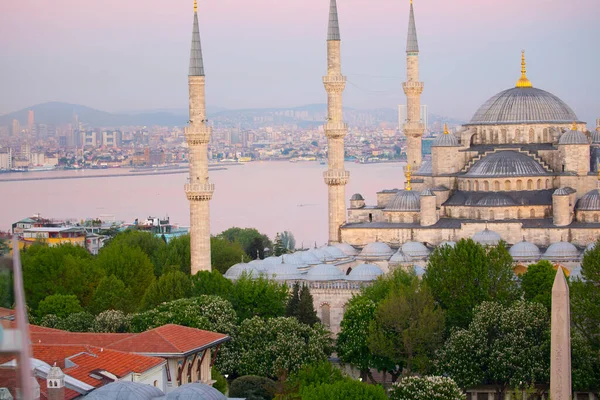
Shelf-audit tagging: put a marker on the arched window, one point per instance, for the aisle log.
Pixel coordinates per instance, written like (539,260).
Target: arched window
(496,185)
(449,212)
(507,214)
(155,383)
(517,136)
(532,213)
(582,219)
(492,215)
(326,314)
(546,137)
(519,214)
(519,184)
(478,214)
(595,217)
(547,183)
(469,185)
(486,186)
(531,136)
(476,186)
(415,218)
(507,185)
(529,184)
(539,183)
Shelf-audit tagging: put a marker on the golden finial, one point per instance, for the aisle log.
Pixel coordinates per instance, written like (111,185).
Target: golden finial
(195,5)
(446,129)
(410,1)
(574,127)
(407,174)
(523,82)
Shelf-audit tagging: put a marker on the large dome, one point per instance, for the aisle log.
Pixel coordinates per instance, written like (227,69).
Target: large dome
(405,200)
(506,163)
(524,106)
(590,201)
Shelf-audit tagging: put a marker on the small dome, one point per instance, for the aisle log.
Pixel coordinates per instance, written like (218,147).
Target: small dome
(487,237)
(525,250)
(446,140)
(415,249)
(196,391)
(124,390)
(590,246)
(237,270)
(573,137)
(506,163)
(334,252)
(293,258)
(596,136)
(356,197)
(405,200)
(427,192)
(563,191)
(324,272)
(283,271)
(310,258)
(447,243)
(364,272)
(419,271)
(400,258)
(376,250)
(322,255)
(346,249)
(272,260)
(496,199)
(561,250)
(590,201)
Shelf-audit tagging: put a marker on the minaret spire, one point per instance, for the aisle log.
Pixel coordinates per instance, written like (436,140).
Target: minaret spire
(199,190)
(336,177)
(412,44)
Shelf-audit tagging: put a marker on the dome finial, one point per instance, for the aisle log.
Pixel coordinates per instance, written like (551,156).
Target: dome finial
(574,127)
(407,175)
(195,5)
(523,82)
(445,129)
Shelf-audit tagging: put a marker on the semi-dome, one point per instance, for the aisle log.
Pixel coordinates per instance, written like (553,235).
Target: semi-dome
(525,250)
(415,249)
(523,106)
(487,237)
(590,201)
(400,258)
(124,390)
(561,250)
(405,200)
(364,272)
(293,258)
(427,192)
(324,272)
(496,199)
(376,250)
(446,140)
(334,252)
(506,163)
(197,391)
(596,136)
(563,191)
(356,196)
(346,248)
(573,137)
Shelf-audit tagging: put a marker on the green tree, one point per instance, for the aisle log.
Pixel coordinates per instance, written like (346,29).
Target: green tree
(77,322)
(408,329)
(154,247)
(394,282)
(258,297)
(211,283)
(60,305)
(220,381)
(537,283)
(112,294)
(278,246)
(3,246)
(178,253)
(344,390)
(224,254)
(171,286)
(585,298)
(252,241)
(306,309)
(131,265)
(426,388)
(6,288)
(316,374)
(464,276)
(288,240)
(291,309)
(112,321)
(504,346)
(251,387)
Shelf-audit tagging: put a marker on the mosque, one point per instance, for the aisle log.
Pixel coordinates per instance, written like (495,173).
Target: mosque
(524,170)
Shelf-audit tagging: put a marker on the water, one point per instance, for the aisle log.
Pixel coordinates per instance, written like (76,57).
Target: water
(270,196)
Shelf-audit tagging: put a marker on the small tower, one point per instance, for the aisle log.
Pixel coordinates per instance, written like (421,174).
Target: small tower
(336,177)
(55,382)
(429,214)
(199,190)
(413,129)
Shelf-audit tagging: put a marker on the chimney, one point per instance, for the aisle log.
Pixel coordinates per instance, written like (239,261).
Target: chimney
(56,384)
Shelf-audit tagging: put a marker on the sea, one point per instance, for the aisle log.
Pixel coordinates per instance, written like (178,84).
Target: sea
(271,196)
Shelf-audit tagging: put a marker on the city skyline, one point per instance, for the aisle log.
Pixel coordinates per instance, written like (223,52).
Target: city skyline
(126,56)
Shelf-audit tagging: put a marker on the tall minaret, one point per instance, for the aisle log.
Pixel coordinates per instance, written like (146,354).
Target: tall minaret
(336,176)
(198,191)
(413,128)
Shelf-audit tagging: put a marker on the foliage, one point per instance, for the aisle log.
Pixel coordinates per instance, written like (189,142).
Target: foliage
(505,346)
(211,283)
(291,309)
(316,374)
(152,246)
(585,364)
(252,387)
(252,241)
(111,294)
(426,388)
(60,305)
(129,264)
(264,347)
(537,283)
(408,328)
(288,240)
(306,308)
(389,283)
(77,322)
(171,286)
(112,321)
(278,246)
(259,297)
(344,390)
(585,298)
(224,254)
(3,246)
(220,381)
(464,276)
(178,254)
(6,289)
(49,321)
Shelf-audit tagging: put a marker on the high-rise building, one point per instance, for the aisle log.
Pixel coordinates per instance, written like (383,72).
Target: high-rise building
(199,190)
(424,117)
(30,122)
(16,127)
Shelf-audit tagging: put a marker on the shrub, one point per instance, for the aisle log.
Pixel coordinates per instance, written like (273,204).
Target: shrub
(77,322)
(60,305)
(112,321)
(252,387)
(426,388)
(220,381)
(346,389)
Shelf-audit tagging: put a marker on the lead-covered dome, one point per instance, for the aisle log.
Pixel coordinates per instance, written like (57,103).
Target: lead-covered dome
(523,106)
(124,390)
(573,137)
(197,391)
(525,250)
(487,237)
(415,249)
(324,272)
(495,200)
(446,140)
(506,164)
(376,250)
(346,249)
(364,272)
(405,200)
(590,201)
(561,250)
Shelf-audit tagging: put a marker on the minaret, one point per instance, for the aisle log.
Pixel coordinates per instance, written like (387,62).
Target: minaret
(413,128)
(198,191)
(336,176)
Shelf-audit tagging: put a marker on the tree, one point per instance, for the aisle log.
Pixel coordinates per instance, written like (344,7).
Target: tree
(6,288)
(537,283)
(504,346)
(394,282)
(171,286)
(178,253)
(585,298)
(60,305)
(344,390)
(258,297)
(291,310)
(426,388)
(464,276)
(77,322)
(224,254)
(220,381)
(211,283)
(3,246)
(278,246)
(306,309)
(112,321)
(152,246)
(252,241)
(131,265)
(288,241)
(408,328)
(111,294)
(316,374)
(252,387)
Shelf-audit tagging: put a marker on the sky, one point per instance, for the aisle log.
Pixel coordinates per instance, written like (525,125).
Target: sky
(118,55)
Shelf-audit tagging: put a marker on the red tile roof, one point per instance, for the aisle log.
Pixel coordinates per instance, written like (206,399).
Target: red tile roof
(170,339)
(89,338)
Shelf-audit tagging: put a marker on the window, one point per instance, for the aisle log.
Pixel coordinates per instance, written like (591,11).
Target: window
(539,183)
(476,185)
(529,184)
(491,214)
(519,184)
(370,217)
(325,314)
(507,185)
(486,186)
(496,185)
(547,183)
(595,217)
(532,213)
(155,383)
(519,214)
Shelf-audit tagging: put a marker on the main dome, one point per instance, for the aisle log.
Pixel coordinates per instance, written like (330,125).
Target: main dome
(526,105)
(506,163)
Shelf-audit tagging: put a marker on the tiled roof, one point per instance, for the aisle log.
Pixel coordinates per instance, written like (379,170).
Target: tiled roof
(170,339)
(82,338)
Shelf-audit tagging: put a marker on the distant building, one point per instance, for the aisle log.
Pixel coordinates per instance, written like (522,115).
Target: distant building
(16,127)
(30,122)
(5,159)
(54,236)
(89,139)
(112,139)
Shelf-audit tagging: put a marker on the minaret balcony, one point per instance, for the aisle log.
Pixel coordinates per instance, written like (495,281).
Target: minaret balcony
(336,130)
(413,87)
(199,191)
(197,135)
(336,177)
(334,83)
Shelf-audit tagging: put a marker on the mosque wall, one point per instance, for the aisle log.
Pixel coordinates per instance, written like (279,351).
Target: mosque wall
(365,215)
(505,184)
(499,213)
(330,305)
(574,158)
(383,198)
(519,134)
